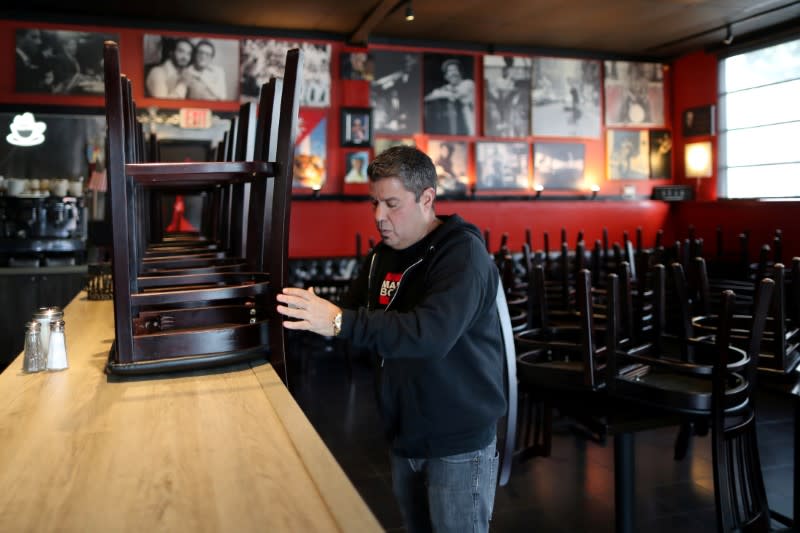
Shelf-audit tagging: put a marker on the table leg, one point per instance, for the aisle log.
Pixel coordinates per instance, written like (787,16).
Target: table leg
(624,481)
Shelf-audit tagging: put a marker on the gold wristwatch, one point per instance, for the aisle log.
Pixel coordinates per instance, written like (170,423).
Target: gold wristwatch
(337,324)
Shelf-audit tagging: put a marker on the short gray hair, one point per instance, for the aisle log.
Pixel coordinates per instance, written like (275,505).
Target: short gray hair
(406,163)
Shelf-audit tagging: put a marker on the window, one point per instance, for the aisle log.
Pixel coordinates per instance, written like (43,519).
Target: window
(759,104)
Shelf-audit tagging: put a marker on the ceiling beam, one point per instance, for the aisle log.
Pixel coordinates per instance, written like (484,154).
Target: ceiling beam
(361,34)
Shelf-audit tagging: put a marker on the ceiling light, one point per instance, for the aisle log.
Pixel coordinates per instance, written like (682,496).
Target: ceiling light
(409,12)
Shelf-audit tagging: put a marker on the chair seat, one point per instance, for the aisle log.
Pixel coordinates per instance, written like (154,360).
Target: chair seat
(534,369)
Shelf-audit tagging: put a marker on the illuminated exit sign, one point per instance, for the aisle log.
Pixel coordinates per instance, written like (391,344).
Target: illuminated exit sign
(195,118)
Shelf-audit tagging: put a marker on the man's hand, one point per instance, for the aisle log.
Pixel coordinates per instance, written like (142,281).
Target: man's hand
(313,313)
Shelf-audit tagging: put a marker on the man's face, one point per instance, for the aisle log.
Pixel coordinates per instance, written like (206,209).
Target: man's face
(32,41)
(182,55)
(452,74)
(203,56)
(399,217)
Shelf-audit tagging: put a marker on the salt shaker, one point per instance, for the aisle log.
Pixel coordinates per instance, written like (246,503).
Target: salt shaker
(44,316)
(33,360)
(57,349)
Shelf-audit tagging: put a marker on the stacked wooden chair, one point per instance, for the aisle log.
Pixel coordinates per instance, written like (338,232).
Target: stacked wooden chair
(194,315)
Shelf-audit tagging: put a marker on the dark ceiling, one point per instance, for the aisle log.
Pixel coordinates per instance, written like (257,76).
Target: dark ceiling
(643,28)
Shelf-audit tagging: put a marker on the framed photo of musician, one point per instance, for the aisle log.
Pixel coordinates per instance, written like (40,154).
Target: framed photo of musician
(502,165)
(395,93)
(449,88)
(559,166)
(356,125)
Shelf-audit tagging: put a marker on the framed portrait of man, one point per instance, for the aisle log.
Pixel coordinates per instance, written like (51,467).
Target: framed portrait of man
(628,154)
(60,61)
(356,125)
(634,93)
(502,165)
(450,158)
(395,92)
(660,154)
(506,96)
(449,88)
(559,166)
(196,68)
(357,66)
(566,97)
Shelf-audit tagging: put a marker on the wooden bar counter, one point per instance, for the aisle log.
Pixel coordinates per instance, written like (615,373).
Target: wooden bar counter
(213,451)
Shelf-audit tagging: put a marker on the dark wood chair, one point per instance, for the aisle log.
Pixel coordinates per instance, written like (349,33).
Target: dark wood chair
(173,322)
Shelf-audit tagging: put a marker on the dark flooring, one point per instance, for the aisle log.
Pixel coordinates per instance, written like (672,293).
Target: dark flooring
(573,490)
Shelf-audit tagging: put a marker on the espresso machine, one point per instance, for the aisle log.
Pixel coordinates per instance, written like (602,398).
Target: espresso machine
(42,231)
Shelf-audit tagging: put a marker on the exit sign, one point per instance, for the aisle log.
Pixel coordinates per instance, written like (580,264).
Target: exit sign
(194,118)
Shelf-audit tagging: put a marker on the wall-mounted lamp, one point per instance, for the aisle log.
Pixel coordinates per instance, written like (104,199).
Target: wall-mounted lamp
(595,189)
(538,188)
(316,190)
(409,12)
(698,160)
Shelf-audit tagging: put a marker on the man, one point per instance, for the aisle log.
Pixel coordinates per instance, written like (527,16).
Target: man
(456,116)
(166,80)
(204,80)
(426,306)
(33,73)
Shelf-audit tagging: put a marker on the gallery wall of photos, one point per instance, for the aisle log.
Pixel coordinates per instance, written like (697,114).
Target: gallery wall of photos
(492,124)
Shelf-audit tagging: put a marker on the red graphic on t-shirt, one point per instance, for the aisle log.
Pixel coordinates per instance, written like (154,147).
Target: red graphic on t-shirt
(390,283)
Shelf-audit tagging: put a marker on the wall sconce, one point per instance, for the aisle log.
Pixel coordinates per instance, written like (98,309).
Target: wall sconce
(316,191)
(538,188)
(595,189)
(409,12)
(698,160)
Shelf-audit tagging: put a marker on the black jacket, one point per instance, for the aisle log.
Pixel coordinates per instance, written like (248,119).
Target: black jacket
(440,345)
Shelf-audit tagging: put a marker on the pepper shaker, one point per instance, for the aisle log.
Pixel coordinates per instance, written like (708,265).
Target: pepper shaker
(33,360)
(57,349)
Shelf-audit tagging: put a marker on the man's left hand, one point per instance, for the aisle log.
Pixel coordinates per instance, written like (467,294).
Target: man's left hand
(313,313)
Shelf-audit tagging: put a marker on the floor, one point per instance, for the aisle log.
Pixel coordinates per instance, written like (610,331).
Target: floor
(570,491)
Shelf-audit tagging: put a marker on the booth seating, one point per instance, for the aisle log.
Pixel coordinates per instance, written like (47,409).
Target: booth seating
(185,321)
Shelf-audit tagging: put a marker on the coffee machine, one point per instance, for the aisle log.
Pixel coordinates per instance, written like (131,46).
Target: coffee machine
(42,230)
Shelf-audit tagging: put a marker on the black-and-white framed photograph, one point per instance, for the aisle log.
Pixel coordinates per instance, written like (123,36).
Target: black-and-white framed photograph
(450,159)
(449,87)
(60,61)
(502,165)
(506,96)
(566,97)
(194,68)
(357,66)
(262,59)
(559,166)
(634,93)
(395,93)
(628,154)
(355,164)
(381,144)
(660,154)
(698,121)
(356,126)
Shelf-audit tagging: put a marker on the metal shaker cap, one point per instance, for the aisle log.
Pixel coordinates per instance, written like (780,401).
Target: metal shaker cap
(33,325)
(50,313)
(56,325)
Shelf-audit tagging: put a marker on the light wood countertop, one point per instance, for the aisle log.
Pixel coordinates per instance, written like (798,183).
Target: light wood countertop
(214,451)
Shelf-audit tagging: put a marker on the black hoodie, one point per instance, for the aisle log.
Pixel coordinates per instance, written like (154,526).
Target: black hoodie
(439,342)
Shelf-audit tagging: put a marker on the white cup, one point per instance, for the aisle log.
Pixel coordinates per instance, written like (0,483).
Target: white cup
(15,186)
(76,188)
(59,187)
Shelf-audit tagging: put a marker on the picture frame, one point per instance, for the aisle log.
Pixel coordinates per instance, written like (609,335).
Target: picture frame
(451,160)
(355,166)
(628,154)
(356,126)
(559,166)
(698,121)
(395,92)
(660,154)
(634,94)
(449,94)
(566,98)
(506,97)
(502,166)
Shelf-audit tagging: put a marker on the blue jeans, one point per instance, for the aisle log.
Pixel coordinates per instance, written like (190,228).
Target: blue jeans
(446,494)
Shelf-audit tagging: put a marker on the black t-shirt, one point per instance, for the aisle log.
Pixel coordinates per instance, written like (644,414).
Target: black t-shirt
(389,268)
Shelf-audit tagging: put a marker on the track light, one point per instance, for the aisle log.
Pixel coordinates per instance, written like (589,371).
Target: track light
(409,12)
(728,35)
